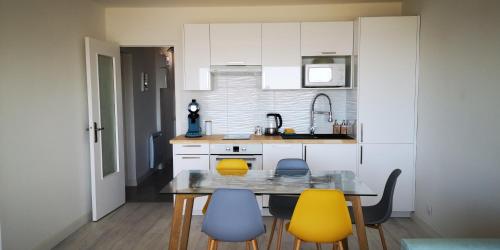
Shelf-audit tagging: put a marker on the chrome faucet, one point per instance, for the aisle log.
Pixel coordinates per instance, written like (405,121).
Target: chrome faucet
(330,113)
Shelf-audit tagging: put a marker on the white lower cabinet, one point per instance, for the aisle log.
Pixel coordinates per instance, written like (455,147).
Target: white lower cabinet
(191,162)
(273,153)
(376,163)
(330,156)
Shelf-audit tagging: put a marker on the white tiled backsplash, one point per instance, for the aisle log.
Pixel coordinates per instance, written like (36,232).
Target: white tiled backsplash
(237,104)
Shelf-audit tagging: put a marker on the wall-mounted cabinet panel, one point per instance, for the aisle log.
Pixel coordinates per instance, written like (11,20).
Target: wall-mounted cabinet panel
(326,38)
(197,57)
(281,63)
(235,44)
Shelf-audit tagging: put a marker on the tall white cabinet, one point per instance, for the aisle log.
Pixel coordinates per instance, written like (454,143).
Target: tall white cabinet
(387,52)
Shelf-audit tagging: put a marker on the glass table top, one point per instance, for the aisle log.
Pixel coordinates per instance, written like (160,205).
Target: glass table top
(291,182)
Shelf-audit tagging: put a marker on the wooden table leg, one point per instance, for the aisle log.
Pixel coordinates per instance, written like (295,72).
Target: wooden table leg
(175,229)
(360,223)
(186,224)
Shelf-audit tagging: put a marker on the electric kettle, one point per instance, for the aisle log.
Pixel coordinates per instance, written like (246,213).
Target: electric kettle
(274,123)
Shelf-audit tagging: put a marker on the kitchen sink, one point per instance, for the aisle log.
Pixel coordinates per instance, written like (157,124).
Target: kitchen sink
(316,136)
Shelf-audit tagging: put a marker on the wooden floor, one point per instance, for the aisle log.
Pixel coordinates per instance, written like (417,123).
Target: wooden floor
(147,226)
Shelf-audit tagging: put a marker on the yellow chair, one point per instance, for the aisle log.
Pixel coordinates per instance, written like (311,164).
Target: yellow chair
(229,167)
(321,216)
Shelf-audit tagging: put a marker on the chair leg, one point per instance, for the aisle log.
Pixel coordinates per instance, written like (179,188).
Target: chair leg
(340,246)
(382,238)
(272,234)
(254,244)
(318,246)
(297,243)
(280,234)
(212,245)
(204,210)
(344,244)
(248,244)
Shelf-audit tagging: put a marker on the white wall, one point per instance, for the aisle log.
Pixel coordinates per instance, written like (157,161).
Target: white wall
(458,166)
(44,151)
(163,26)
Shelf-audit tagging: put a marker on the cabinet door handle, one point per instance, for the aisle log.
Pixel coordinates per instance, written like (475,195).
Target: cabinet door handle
(361,155)
(191,157)
(191,146)
(235,63)
(361,131)
(329,53)
(305,153)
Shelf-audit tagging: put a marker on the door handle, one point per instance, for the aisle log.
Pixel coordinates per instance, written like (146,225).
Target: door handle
(305,153)
(96,129)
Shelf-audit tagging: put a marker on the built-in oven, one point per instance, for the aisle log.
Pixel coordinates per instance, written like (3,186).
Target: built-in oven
(251,153)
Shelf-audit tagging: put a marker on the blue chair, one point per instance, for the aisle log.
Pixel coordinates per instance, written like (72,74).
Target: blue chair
(233,215)
(282,206)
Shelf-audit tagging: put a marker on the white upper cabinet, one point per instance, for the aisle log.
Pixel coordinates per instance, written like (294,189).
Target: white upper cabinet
(326,38)
(387,79)
(281,61)
(197,57)
(235,44)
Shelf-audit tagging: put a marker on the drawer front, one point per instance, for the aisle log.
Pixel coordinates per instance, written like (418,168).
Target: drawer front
(191,149)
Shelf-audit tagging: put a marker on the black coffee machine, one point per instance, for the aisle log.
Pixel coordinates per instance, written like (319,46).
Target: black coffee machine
(274,123)
(194,128)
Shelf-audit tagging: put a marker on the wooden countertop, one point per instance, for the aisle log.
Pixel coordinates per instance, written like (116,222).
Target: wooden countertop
(255,139)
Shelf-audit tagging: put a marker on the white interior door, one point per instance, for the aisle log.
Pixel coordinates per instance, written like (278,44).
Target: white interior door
(105,126)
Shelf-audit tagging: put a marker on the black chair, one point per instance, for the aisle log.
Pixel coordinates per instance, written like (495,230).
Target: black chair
(377,214)
(282,206)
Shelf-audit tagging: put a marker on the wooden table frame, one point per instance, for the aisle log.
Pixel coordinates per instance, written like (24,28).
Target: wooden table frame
(179,232)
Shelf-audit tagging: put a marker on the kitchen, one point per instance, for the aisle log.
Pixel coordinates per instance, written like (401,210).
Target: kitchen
(267,92)
(251,78)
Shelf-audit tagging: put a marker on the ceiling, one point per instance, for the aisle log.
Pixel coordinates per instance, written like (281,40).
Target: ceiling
(194,3)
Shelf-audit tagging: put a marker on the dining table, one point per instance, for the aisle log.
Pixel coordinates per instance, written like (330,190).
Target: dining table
(189,184)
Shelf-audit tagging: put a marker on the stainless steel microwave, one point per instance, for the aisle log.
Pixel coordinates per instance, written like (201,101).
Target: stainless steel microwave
(325,75)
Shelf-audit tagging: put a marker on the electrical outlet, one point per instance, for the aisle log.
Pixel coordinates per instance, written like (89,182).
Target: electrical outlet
(429,210)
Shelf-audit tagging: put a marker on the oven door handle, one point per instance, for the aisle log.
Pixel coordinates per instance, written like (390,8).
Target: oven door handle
(246,159)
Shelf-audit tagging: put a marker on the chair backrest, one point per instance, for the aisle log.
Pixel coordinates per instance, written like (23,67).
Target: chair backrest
(384,207)
(233,215)
(321,216)
(292,167)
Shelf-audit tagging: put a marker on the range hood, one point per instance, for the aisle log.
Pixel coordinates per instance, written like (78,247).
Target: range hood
(239,70)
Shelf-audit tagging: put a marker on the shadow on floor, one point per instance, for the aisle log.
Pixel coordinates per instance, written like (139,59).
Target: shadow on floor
(149,189)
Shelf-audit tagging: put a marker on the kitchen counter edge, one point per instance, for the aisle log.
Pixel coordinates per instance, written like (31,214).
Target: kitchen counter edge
(255,139)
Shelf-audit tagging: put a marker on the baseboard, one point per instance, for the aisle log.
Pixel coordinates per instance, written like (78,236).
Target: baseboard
(401,214)
(426,226)
(63,234)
